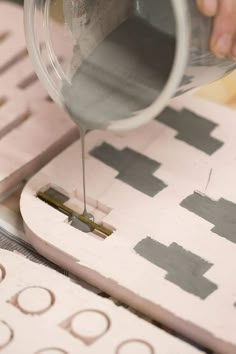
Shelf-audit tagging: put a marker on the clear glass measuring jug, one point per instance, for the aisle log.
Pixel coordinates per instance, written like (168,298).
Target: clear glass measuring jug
(114,64)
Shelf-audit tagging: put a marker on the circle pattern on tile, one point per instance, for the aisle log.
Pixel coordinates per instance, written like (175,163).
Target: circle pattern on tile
(2,273)
(6,334)
(51,351)
(90,324)
(136,346)
(35,300)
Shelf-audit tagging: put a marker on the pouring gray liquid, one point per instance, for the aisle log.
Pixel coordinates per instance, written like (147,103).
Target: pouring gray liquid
(124,74)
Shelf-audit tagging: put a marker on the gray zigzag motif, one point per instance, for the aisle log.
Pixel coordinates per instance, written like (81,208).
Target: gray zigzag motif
(184,268)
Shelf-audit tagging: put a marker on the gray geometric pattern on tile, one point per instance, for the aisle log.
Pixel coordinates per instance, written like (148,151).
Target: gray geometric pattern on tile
(184,268)
(192,129)
(220,213)
(134,169)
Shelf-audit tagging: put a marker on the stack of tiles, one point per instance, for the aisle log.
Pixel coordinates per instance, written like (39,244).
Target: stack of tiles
(42,312)
(32,128)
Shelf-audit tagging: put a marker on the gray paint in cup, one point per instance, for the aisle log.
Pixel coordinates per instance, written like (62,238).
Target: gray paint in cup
(123,75)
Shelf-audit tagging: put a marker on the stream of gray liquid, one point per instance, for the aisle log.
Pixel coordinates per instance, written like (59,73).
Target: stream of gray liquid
(82,139)
(75,222)
(124,74)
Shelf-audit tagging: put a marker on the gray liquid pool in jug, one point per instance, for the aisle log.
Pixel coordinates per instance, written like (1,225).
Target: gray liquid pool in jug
(123,74)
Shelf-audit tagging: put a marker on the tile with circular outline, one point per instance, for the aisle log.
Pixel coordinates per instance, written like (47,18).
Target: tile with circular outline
(6,334)
(33,300)
(136,346)
(88,325)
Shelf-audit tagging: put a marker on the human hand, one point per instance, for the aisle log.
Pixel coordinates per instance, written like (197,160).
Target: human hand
(223,37)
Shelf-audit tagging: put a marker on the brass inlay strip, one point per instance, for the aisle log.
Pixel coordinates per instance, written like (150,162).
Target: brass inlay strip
(71,213)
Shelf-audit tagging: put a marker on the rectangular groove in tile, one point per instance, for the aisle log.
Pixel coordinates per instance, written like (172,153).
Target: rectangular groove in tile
(28,81)
(72,207)
(4,35)
(26,115)
(3,100)
(13,61)
(48,99)
(32,78)
(16,123)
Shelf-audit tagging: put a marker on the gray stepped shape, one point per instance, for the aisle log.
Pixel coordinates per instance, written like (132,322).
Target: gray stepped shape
(192,129)
(184,268)
(221,213)
(134,168)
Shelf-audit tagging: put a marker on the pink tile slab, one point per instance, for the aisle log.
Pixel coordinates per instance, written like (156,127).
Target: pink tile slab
(189,286)
(44,312)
